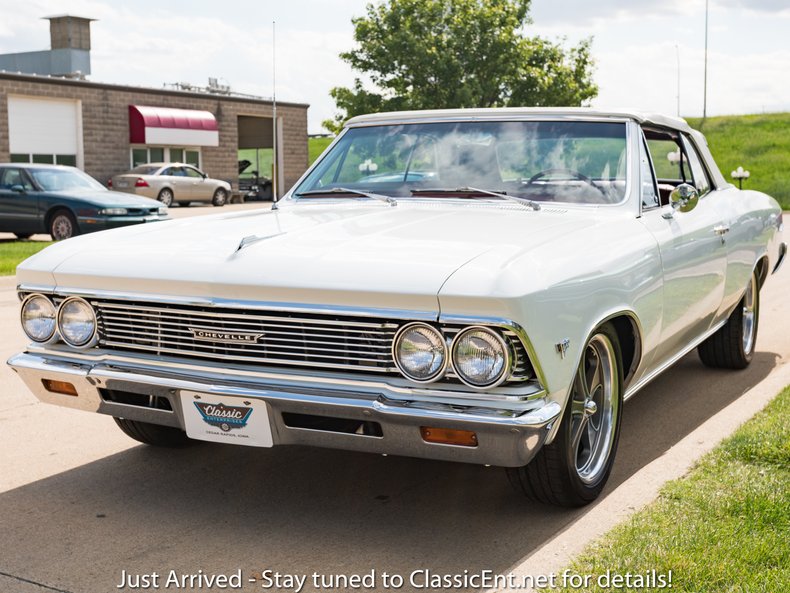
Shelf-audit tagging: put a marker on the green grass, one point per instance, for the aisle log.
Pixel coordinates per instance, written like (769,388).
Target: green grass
(315,146)
(723,528)
(758,143)
(13,252)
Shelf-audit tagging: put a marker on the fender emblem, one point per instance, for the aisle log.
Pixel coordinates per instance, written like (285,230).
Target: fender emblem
(562,347)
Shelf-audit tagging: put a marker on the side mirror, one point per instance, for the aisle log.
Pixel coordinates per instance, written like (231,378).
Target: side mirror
(684,198)
(18,189)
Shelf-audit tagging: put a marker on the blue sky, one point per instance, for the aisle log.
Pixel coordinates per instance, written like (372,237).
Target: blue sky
(150,43)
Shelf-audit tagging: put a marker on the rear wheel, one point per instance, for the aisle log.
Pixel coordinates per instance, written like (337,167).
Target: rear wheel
(220,197)
(153,434)
(166,196)
(573,469)
(63,225)
(732,347)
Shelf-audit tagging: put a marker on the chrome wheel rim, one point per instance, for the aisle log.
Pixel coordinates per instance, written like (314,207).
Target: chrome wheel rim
(166,197)
(61,228)
(594,409)
(219,197)
(749,316)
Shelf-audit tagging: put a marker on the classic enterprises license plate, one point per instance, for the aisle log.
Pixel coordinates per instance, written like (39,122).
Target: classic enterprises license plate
(226,419)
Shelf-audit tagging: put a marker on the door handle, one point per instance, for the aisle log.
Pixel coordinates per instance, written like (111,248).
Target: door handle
(721,230)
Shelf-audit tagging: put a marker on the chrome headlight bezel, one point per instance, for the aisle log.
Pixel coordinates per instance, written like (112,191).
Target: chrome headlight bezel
(91,339)
(52,336)
(440,371)
(506,354)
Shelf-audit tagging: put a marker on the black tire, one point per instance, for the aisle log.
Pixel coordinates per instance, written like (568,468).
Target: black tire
(23,236)
(153,434)
(220,197)
(572,474)
(165,196)
(62,225)
(732,347)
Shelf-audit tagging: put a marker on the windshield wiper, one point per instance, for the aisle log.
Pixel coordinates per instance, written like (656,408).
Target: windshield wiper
(356,192)
(476,190)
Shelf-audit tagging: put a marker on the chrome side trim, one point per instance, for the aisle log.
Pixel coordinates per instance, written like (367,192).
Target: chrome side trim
(633,389)
(781,259)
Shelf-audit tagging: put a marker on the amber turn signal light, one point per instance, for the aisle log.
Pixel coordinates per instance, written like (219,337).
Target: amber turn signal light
(448,436)
(59,387)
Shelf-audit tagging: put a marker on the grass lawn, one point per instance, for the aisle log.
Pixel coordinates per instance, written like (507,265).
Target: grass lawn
(758,143)
(316,146)
(723,528)
(13,252)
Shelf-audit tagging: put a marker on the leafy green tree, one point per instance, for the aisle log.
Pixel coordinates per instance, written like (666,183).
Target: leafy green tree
(431,54)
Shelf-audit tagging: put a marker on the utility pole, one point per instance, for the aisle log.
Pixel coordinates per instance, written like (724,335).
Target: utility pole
(275,176)
(705,82)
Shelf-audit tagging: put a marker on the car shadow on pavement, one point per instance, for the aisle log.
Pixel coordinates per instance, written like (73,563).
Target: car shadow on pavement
(298,510)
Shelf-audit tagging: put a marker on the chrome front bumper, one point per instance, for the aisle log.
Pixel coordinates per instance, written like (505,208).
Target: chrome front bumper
(504,438)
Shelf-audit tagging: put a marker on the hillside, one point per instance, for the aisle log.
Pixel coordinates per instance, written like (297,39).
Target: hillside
(758,143)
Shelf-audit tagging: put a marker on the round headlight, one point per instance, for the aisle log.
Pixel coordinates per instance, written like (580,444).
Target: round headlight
(420,352)
(38,318)
(480,357)
(76,322)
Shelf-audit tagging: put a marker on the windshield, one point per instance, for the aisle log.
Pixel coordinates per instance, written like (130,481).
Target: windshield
(64,179)
(577,162)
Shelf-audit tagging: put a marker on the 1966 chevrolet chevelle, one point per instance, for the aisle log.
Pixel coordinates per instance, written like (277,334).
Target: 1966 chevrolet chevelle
(484,286)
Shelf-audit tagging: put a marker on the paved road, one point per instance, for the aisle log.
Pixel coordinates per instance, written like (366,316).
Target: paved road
(79,501)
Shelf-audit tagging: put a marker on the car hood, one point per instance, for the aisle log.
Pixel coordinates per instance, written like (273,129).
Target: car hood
(104,198)
(358,256)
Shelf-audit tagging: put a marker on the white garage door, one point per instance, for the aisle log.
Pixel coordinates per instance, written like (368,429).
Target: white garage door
(45,131)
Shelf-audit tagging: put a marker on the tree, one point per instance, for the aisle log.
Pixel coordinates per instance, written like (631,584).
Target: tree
(431,54)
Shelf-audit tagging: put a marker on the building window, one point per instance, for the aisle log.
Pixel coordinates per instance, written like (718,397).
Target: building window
(164,154)
(45,159)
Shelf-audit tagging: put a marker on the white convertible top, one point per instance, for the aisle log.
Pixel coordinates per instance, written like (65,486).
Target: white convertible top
(517,113)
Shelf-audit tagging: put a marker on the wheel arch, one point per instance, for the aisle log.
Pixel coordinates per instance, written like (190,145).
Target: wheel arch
(629,334)
(53,210)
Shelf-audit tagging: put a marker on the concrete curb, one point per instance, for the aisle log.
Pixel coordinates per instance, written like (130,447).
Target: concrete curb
(643,487)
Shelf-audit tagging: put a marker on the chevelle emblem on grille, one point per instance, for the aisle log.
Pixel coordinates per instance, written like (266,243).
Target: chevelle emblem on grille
(225,337)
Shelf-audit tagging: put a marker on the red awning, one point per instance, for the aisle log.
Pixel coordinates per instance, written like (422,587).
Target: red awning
(167,126)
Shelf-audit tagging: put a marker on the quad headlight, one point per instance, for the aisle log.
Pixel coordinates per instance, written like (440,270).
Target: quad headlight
(76,322)
(39,318)
(420,352)
(481,358)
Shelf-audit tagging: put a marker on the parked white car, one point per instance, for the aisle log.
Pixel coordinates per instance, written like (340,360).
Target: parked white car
(483,286)
(172,182)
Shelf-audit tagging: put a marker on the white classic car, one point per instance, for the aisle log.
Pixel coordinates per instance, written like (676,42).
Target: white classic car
(483,286)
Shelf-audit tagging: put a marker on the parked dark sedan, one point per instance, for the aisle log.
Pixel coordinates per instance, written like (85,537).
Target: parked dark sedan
(64,201)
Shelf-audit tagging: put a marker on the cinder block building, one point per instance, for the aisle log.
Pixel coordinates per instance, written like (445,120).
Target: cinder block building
(50,114)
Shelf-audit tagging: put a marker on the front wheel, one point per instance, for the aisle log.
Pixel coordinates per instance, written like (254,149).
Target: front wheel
(732,347)
(153,434)
(63,225)
(573,470)
(220,197)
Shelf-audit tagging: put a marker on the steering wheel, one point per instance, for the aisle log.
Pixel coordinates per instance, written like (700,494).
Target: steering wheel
(572,173)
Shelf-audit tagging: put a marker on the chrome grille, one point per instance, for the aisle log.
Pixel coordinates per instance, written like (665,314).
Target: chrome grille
(307,340)
(287,339)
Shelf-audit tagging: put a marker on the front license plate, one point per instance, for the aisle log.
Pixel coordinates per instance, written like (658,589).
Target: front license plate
(226,419)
